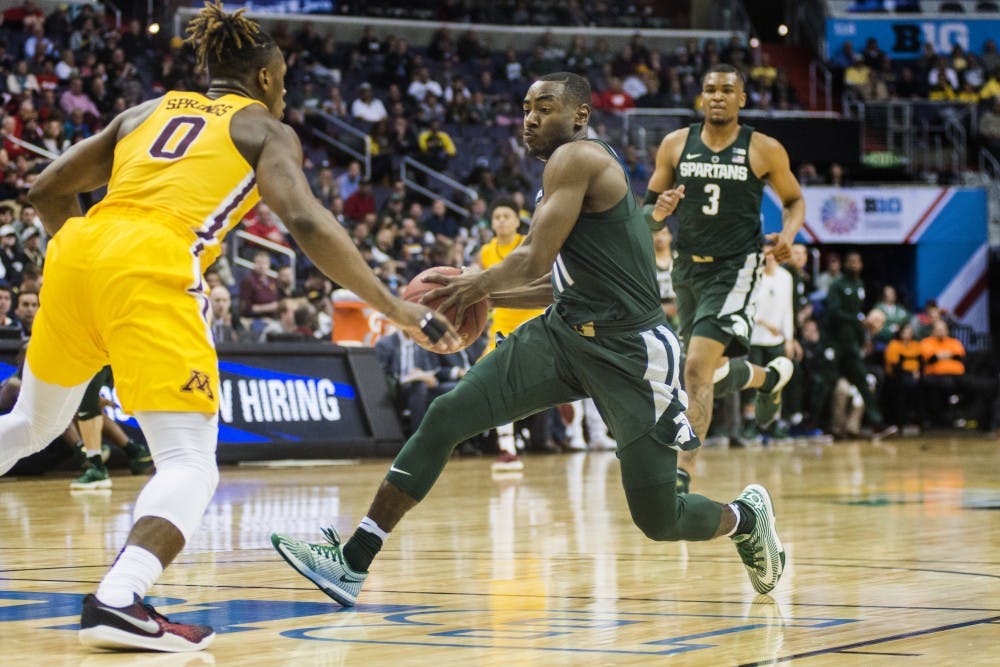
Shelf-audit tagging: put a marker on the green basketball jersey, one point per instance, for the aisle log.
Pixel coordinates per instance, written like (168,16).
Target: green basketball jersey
(720,213)
(605,271)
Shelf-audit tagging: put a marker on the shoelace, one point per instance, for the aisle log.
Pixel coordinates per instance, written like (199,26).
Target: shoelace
(331,550)
(331,536)
(750,556)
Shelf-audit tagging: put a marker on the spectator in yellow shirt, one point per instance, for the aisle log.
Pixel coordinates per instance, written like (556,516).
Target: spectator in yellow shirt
(436,147)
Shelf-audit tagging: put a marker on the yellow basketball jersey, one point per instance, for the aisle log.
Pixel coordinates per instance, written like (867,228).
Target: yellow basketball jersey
(505,320)
(181,168)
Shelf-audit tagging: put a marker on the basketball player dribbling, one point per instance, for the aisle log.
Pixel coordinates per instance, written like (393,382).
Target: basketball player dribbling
(123,284)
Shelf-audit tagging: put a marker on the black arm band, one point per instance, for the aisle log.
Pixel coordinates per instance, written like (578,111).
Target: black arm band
(647,211)
(431,328)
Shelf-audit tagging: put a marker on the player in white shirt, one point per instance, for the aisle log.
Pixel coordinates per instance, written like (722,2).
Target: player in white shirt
(773,336)
(367,107)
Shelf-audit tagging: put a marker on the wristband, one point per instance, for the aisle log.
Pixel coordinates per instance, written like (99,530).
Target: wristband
(431,328)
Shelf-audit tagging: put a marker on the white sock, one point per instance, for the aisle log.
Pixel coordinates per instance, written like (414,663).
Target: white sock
(133,574)
(736,510)
(505,439)
(92,453)
(370,526)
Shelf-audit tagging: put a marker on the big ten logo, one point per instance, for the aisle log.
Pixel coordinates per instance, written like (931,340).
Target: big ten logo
(883,205)
(911,37)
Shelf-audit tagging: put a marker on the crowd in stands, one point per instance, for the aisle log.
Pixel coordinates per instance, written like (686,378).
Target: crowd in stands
(627,13)
(965,76)
(960,76)
(452,104)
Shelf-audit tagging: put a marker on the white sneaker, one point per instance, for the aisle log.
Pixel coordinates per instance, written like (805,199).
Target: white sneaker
(603,443)
(507,462)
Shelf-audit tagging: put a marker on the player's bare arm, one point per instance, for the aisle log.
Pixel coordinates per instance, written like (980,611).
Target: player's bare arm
(86,166)
(284,188)
(566,181)
(769,160)
(662,197)
(538,294)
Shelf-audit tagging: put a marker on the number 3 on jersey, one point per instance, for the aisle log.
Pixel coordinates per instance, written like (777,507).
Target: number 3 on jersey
(712,207)
(177,136)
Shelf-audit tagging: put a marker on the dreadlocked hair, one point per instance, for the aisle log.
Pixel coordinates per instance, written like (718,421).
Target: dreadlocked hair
(228,44)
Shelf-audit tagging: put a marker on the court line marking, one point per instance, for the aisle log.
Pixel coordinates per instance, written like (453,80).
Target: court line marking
(589,598)
(798,564)
(908,655)
(873,642)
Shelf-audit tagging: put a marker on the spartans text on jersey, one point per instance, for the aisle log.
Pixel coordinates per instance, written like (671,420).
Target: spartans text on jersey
(726,172)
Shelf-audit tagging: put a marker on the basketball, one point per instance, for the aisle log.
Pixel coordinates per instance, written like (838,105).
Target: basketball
(475,315)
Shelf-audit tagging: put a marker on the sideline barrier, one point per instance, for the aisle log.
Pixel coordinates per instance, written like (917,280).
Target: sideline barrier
(292,400)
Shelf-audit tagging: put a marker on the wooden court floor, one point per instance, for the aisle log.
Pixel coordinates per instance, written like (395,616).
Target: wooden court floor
(894,553)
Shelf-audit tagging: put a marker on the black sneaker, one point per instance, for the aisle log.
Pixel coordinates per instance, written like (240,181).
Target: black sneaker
(138,626)
(140,461)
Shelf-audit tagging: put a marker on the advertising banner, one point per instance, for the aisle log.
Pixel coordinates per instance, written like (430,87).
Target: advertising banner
(886,215)
(289,400)
(904,36)
(947,228)
(265,398)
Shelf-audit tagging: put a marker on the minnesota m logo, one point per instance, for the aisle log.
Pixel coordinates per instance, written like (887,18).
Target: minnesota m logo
(199,382)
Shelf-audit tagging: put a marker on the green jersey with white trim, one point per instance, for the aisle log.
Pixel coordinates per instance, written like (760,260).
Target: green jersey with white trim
(720,213)
(605,271)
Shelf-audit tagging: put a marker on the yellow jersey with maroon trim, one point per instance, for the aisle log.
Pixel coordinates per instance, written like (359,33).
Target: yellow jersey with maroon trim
(181,168)
(505,320)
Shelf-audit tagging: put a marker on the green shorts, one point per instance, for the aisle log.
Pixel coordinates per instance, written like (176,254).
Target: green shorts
(714,299)
(90,406)
(634,378)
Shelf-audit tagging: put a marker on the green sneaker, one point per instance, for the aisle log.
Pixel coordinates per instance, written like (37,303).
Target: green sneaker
(779,431)
(139,459)
(322,564)
(760,550)
(768,403)
(683,481)
(95,476)
(750,435)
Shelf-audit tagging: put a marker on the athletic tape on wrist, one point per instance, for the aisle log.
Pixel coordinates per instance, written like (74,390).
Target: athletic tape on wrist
(431,328)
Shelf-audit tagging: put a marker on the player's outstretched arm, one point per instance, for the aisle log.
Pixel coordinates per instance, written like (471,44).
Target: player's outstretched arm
(86,166)
(662,197)
(774,160)
(565,181)
(284,188)
(536,295)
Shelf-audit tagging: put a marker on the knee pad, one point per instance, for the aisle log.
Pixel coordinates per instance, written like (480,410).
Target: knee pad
(18,440)
(183,448)
(42,412)
(731,376)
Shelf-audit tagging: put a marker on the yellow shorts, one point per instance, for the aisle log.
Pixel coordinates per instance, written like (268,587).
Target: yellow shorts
(125,292)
